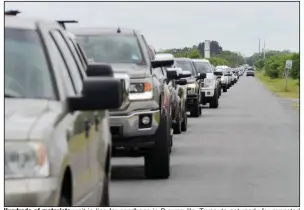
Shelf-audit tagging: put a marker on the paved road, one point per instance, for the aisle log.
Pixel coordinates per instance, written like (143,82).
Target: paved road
(246,153)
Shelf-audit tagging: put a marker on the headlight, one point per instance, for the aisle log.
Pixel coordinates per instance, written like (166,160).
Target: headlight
(25,160)
(141,91)
(192,85)
(191,88)
(208,82)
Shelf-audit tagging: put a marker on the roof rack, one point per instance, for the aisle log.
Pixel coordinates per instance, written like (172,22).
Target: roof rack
(12,12)
(63,22)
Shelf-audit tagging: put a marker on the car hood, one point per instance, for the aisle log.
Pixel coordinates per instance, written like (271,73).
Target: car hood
(190,80)
(134,71)
(209,76)
(21,115)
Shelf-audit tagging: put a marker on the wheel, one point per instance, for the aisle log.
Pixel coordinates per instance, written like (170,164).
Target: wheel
(185,122)
(220,91)
(195,110)
(225,88)
(157,162)
(177,127)
(63,202)
(105,199)
(215,102)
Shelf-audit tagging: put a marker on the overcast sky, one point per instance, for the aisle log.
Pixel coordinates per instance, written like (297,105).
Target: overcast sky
(236,26)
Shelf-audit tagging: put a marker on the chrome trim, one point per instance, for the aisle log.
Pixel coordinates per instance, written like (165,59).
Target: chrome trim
(135,113)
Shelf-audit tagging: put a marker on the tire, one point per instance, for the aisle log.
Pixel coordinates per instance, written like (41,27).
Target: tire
(177,127)
(105,199)
(63,202)
(215,102)
(225,88)
(171,144)
(157,162)
(195,111)
(185,122)
(220,91)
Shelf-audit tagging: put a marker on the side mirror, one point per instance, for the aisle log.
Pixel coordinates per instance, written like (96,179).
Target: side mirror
(162,63)
(99,70)
(172,74)
(201,76)
(98,94)
(181,82)
(185,74)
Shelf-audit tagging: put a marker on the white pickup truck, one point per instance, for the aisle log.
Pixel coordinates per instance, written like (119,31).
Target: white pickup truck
(210,89)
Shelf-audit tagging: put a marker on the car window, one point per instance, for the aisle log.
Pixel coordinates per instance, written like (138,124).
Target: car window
(60,66)
(151,55)
(194,68)
(203,67)
(27,73)
(82,55)
(76,52)
(185,66)
(113,48)
(69,60)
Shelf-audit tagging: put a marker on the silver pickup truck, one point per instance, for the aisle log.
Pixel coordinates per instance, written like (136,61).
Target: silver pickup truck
(57,136)
(142,125)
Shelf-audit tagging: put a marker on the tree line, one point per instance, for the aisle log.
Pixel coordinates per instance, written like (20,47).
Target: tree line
(272,65)
(218,55)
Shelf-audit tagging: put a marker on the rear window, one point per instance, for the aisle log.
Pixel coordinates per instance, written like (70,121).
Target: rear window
(203,67)
(111,48)
(27,74)
(185,66)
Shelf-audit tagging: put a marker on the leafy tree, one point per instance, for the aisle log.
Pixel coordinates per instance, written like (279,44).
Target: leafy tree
(295,71)
(215,61)
(233,58)
(194,54)
(274,65)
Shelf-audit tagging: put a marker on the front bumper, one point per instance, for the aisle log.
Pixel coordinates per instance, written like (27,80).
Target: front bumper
(191,101)
(31,192)
(208,92)
(128,123)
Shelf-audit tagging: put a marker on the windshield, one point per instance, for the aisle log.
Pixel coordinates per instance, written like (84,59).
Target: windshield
(203,67)
(26,71)
(185,66)
(111,48)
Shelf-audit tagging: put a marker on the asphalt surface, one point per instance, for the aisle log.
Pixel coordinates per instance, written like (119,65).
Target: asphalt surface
(245,153)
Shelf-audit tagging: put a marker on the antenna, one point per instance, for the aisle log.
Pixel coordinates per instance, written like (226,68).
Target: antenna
(118,30)
(12,12)
(63,22)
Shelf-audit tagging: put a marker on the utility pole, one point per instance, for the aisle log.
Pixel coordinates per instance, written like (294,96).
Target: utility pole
(259,47)
(264,49)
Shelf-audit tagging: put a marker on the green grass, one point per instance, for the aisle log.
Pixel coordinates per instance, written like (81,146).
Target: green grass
(278,86)
(296,106)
